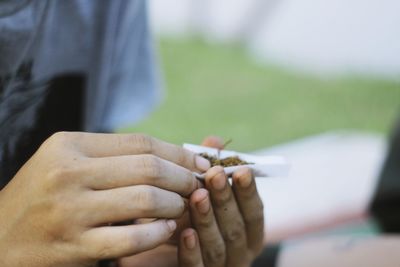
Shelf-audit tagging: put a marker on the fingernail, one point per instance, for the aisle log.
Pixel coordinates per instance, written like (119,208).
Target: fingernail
(218,182)
(190,241)
(171,225)
(202,163)
(203,206)
(245,182)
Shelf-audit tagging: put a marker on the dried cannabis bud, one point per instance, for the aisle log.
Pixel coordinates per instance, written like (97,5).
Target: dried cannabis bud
(225,162)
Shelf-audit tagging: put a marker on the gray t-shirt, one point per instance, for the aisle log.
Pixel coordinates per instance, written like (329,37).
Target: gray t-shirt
(71,65)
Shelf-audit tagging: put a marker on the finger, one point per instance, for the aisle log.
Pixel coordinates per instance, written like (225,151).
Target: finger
(164,255)
(182,224)
(251,207)
(213,141)
(229,218)
(211,242)
(120,171)
(127,203)
(107,145)
(120,241)
(189,253)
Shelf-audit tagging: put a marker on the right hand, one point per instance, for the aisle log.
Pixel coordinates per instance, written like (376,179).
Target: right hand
(228,222)
(58,208)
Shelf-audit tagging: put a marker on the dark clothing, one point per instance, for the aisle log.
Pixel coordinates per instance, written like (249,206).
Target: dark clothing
(386,204)
(75,65)
(62,110)
(268,257)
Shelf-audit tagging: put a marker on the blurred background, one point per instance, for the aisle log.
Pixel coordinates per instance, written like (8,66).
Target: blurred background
(264,72)
(315,81)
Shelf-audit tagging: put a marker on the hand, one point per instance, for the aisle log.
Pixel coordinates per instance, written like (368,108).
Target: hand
(57,209)
(241,225)
(228,222)
(227,227)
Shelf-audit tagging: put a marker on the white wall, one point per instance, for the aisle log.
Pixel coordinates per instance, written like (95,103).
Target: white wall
(333,36)
(318,36)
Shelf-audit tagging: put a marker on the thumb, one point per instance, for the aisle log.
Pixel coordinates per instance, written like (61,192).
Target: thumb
(213,141)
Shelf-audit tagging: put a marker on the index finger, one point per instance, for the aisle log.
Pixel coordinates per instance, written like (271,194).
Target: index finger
(98,145)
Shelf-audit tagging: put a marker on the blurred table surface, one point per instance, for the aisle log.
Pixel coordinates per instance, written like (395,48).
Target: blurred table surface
(331,181)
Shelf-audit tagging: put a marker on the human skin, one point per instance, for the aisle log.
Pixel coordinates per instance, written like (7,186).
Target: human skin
(59,207)
(226,227)
(228,230)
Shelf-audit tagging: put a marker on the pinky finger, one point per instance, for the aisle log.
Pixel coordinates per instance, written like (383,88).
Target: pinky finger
(111,242)
(189,252)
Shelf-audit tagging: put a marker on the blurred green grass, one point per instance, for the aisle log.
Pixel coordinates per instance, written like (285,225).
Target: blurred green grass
(220,90)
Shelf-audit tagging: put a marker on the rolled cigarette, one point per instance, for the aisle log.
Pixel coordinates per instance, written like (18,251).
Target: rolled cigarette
(262,166)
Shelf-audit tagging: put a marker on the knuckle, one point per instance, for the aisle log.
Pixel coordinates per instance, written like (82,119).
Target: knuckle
(61,173)
(189,184)
(234,234)
(205,223)
(62,170)
(176,208)
(143,142)
(56,209)
(187,181)
(146,199)
(60,210)
(91,251)
(216,255)
(221,199)
(101,252)
(184,158)
(255,217)
(61,138)
(152,166)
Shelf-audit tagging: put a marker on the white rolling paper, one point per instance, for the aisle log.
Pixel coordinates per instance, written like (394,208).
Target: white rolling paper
(262,166)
